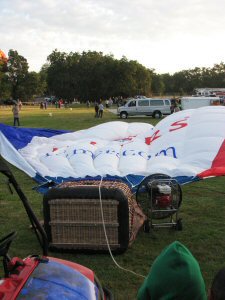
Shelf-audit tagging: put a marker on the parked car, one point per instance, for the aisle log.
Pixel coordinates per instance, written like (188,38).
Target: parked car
(145,106)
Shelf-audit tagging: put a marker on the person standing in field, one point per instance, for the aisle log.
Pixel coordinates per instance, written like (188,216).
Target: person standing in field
(96,109)
(100,110)
(16,111)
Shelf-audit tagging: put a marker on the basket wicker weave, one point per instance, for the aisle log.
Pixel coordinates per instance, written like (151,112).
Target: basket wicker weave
(79,222)
(75,222)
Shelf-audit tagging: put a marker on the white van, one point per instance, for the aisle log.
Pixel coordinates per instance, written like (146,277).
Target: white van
(146,106)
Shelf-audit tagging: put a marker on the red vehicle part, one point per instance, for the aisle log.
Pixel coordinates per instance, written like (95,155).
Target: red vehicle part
(48,278)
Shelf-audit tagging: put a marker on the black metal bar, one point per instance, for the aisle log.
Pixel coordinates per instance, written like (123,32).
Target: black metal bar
(38,228)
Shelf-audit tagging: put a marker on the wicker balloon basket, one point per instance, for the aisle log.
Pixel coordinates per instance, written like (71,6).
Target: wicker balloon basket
(74,214)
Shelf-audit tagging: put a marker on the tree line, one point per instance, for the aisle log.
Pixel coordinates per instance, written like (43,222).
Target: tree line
(92,76)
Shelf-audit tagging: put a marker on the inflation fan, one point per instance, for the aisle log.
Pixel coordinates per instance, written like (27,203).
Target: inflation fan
(160,197)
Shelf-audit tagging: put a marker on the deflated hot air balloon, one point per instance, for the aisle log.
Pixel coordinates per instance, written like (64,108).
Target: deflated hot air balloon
(188,146)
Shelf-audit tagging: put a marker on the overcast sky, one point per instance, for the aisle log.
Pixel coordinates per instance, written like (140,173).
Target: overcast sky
(165,35)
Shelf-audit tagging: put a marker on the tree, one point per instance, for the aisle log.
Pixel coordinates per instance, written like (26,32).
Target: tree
(56,73)
(168,83)
(42,88)
(158,86)
(4,86)
(32,85)
(17,70)
(92,75)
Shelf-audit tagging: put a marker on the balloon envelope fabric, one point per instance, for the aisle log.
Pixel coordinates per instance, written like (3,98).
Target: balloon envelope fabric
(187,145)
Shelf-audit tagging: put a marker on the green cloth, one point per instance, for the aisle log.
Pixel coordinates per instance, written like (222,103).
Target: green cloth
(175,274)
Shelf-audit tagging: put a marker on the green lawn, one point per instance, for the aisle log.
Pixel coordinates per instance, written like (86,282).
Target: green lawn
(202,211)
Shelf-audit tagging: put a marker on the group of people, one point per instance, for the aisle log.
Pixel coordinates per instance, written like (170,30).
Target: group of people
(175,105)
(175,275)
(99,106)
(43,105)
(59,103)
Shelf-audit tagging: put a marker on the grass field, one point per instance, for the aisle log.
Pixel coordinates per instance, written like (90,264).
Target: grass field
(202,211)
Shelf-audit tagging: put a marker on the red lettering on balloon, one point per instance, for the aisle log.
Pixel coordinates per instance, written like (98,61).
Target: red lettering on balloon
(179,124)
(150,139)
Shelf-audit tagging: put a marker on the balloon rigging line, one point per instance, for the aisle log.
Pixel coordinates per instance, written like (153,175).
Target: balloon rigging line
(106,237)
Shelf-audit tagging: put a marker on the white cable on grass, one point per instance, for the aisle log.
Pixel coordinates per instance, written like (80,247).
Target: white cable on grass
(106,237)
